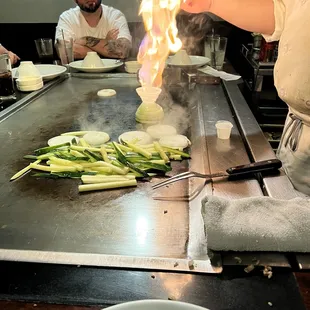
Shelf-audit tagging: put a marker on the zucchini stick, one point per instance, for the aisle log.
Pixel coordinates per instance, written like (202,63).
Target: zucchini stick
(115,176)
(123,147)
(101,169)
(115,169)
(23,171)
(140,150)
(52,168)
(58,168)
(92,165)
(76,154)
(104,154)
(84,143)
(90,158)
(173,151)
(31,157)
(161,152)
(158,161)
(86,179)
(109,185)
(48,149)
(93,155)
(176,157)
(64,162)
(83,148)
(45,156)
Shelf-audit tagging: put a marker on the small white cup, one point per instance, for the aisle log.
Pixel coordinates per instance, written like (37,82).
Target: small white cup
(92,60)
(223,129)
(132,66)
(27,69)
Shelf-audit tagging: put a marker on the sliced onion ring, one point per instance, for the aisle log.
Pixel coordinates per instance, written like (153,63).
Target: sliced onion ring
(96,138)
(175,141)
(61,140)
(159,131)
(137,137)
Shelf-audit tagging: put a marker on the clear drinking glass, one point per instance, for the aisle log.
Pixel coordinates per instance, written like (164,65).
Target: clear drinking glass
(45,50)
(65,50)
(6,80)
(215,49)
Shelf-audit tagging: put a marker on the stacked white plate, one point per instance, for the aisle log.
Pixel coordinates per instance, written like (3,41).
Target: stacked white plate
(29,83)
(132,66)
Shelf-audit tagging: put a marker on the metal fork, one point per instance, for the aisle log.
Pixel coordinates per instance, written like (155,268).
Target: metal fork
(261,166)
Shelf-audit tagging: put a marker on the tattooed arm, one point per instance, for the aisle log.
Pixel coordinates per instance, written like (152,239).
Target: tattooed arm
(80,51)
(109,48)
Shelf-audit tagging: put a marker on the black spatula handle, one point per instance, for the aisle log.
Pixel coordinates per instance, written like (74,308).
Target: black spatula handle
(260,166)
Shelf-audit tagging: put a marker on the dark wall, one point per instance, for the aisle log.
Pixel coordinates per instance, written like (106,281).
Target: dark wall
(193,29)
(19,38)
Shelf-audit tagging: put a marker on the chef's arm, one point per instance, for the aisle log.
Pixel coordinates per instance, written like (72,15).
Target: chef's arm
(251,15)
(108,48)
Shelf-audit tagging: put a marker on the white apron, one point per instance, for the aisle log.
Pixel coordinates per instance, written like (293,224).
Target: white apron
(292,80)
(294,152)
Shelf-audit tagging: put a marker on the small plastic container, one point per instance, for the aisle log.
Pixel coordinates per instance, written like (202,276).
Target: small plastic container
(224,129)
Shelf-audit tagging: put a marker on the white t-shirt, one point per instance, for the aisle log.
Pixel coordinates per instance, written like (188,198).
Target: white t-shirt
(74,25)
(292,76)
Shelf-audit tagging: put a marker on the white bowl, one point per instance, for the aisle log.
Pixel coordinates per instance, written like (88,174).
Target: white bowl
(92,60)
(132,70)
(133,64)
(156,305)
(181,58)
(30,88)
(48,72)
(29,81)
(27,69)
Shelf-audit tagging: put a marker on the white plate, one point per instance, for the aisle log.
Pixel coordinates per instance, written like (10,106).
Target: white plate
(155,305)
(107,66)
(48,72)
(197,61)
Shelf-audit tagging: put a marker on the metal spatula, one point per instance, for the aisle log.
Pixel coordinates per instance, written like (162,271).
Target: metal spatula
(243,170)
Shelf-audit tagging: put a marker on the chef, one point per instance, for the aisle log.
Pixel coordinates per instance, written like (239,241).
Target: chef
(95,27)
(289,22)
(13,57)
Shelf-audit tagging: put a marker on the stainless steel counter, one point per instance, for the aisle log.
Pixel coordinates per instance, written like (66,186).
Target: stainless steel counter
(49,221)
(278,186)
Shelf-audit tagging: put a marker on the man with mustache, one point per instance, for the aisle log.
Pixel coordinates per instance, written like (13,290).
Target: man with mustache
(95,27)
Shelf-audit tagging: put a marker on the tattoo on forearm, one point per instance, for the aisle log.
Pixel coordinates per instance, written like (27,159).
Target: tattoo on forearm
(91,41)
(118,48)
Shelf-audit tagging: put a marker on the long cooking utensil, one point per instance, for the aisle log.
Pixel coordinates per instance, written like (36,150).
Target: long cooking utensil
(243,170)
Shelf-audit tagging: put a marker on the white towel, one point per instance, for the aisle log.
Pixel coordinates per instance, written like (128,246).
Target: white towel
(257,224)
(223,75)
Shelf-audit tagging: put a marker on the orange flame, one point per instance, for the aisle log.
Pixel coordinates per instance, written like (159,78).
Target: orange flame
(161,38)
